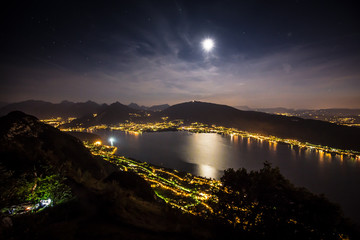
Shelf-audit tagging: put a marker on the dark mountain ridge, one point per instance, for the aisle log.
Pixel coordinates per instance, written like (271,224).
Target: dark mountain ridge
(25,141)
(114,112)
(136,106)
(107,114)
(154,108)
(323,111)
(43,110)
(305,130)
(313,131)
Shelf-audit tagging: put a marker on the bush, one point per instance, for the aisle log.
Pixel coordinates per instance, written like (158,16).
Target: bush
(267,203)
(131,181)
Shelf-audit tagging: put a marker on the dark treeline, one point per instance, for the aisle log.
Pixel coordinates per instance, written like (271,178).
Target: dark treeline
(266,203)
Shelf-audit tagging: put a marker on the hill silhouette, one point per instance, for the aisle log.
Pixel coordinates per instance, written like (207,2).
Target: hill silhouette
(154,108)
(305,130)
(91,113)
(42,109)
(112,114)
(27,143)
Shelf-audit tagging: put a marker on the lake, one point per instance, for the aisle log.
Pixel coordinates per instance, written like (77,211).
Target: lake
(208,154)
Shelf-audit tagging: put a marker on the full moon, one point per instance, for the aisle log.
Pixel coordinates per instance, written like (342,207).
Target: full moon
(207,44)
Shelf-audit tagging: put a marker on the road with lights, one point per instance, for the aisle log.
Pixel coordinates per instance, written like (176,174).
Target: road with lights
(184,191)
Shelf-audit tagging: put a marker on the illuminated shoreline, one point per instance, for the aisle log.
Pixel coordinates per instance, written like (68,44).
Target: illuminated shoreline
(202,128)
(177,125)
(184,191)
(188,193)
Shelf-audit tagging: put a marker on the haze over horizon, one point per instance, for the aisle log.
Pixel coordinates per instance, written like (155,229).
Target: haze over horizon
(240,107)
(293,54)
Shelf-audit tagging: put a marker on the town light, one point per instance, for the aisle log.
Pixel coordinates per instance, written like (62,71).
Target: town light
(112,140)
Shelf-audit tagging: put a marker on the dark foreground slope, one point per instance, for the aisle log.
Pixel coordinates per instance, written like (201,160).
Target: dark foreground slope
(26,142)
(92,200)
(306,130)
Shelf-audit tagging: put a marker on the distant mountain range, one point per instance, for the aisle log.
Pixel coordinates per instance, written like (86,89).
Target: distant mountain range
(43,110)
(305,130)
(116,113)
(323,112)
(154,108)
(345,116)
(109,114)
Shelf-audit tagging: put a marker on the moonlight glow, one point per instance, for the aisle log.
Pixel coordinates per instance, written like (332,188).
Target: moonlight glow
(208,44)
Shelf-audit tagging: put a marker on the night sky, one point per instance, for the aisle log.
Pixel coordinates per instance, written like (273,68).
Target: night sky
(299,54)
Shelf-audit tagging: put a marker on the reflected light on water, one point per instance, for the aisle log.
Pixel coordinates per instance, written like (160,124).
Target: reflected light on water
(234,138)
(321,157)
(328,157)
(272,146)
(248,145)
(261,142)
(208,154)
(135,134)
(208,171)
(205,150)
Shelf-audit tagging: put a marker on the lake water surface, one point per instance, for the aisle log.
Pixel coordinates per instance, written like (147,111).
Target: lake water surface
(208,154)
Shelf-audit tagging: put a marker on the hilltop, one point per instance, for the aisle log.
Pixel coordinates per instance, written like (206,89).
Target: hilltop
(344,116)
(65,109)
(305,130)
(154,108)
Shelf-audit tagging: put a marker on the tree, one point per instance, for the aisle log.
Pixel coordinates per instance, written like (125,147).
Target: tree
(266,202)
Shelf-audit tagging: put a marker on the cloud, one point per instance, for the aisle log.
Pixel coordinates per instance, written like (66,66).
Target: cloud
(293,73)
(294,77)
(156,58)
